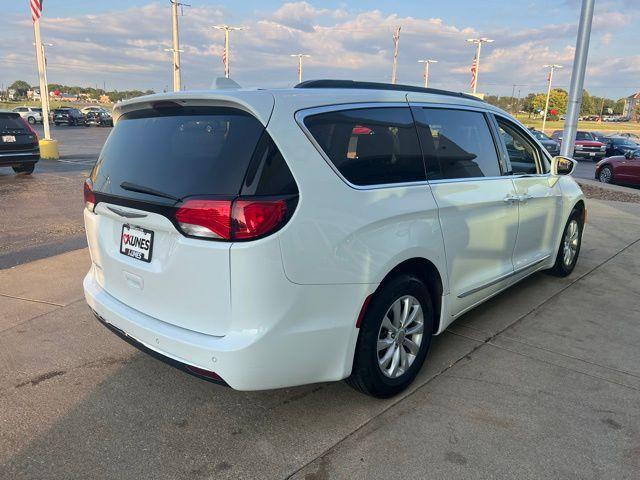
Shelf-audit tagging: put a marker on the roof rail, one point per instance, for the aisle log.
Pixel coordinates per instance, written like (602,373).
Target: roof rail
(330,83)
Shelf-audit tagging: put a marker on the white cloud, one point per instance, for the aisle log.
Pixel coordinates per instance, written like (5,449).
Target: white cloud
(127,49)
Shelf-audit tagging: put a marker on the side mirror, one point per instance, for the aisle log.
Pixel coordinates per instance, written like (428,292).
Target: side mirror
(562,165)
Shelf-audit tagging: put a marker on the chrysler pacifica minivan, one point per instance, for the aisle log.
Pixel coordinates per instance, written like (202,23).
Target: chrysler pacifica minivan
(270,238)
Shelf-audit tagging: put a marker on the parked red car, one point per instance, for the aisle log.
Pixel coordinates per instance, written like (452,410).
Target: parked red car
(623,169)
(586,145)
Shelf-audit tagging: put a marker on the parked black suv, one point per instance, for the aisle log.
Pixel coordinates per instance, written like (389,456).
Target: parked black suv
(19,146)
(69,116)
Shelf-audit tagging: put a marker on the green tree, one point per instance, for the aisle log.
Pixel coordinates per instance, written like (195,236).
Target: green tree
(21,87)
(588,106)
(557,101)
(527,104)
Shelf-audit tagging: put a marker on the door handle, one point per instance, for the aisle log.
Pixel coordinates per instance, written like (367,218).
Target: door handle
(517,198)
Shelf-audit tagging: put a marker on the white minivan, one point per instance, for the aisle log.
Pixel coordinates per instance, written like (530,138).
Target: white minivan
(271,238)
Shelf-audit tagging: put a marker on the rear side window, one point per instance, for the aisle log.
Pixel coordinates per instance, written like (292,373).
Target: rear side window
(180,152)
(370,146)
(457,144)
(10,121)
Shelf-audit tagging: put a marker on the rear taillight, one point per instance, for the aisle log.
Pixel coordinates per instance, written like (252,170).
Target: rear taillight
(89,196)
(28,125)
(206,218)
(252,219)
(240,219)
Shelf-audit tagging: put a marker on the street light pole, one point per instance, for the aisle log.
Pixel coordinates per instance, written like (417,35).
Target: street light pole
(300,56)
(426,70)
(225,56)
(177,76)
(478,42)
(551,68)
(577,78)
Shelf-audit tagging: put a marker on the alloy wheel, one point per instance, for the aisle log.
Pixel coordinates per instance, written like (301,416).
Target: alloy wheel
(570,244)
(400,336)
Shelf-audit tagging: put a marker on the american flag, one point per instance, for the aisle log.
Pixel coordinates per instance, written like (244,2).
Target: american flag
(474,73)
(36,9)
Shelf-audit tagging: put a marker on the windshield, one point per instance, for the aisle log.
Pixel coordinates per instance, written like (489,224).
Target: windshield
(584,136)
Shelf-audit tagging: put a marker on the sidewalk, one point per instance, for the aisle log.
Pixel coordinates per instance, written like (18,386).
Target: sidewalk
(543,381)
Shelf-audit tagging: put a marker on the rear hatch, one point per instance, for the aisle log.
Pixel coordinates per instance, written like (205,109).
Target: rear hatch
(15,134)
(154,160)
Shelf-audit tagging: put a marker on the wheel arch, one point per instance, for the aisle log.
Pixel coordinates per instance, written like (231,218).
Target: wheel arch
(582,210)
(426,271)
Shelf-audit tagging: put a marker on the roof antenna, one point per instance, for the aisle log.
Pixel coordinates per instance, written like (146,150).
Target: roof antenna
(224,83)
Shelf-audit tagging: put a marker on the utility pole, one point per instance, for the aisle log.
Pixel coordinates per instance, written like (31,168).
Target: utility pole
(396,41)
(478,42)
(177,76)
(426,70)
(577,78)
(513,97)
(225,55)
(551,68)
(300,56)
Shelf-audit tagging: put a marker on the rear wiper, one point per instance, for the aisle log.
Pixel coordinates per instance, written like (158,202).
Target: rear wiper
(134,187)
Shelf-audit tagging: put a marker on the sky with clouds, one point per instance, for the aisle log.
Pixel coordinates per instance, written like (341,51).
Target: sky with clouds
(121,43)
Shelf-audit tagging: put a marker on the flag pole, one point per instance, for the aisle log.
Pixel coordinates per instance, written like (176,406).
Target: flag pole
(42,76)
(48,146)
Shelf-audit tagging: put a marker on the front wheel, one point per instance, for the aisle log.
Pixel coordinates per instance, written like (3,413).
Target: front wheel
(31,120)
(394,338)
(606,175)
(569,249)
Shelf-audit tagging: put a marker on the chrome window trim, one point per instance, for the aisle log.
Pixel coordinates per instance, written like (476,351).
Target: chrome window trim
(302,114)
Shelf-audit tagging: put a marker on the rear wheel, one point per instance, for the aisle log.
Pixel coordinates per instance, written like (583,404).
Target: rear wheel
(606,175)
(27,168)
(394,338)
(570,244)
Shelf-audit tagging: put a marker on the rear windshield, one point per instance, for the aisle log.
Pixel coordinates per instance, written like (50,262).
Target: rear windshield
(180,152)
(11,121)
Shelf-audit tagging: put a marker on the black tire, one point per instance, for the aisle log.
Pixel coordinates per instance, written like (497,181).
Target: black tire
(607,177)
(27,168)
(561,268)
(367,376)
(31,120)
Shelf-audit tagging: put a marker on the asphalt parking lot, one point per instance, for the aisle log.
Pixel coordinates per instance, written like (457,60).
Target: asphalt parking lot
(42,213)
(543,381)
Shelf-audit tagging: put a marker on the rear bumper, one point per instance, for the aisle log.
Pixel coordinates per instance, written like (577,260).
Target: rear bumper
(19,157)
(286,351)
